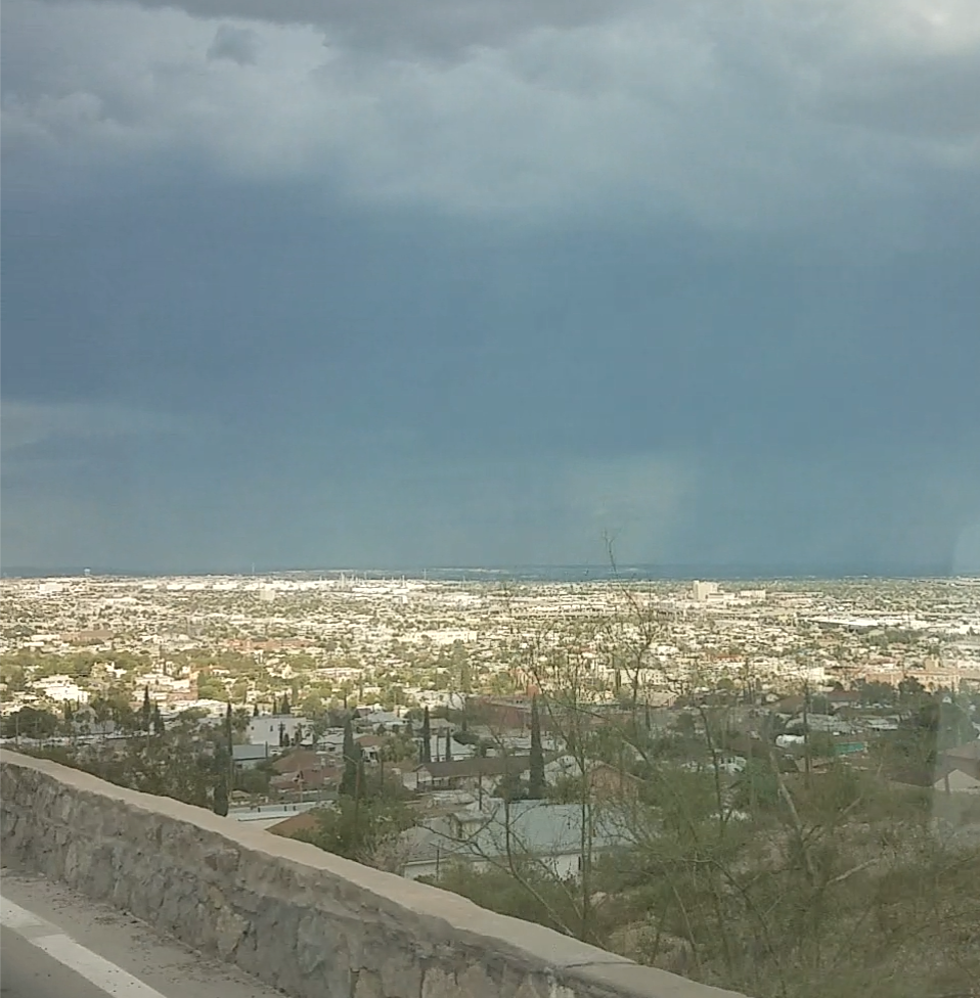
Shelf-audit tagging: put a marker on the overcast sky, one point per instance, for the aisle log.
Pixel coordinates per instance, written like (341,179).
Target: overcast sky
(476,282)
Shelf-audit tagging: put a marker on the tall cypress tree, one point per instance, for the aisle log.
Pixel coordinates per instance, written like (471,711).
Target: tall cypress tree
(146,713)
(426,737)
(360,786)
(221,795)
(536,784)
(219,800)
(349,781)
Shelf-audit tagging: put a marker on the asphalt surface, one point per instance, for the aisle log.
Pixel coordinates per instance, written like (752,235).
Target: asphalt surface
(56,944)
(27,972)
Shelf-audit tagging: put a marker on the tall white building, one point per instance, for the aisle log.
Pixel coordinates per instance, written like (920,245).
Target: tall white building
(702,590)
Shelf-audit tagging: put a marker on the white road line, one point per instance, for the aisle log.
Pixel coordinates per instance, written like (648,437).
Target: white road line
(17,918)
(49,938)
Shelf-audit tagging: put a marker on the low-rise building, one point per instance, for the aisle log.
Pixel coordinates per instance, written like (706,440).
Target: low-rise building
(249,756)
(477,772)
(269,729)
(550,833)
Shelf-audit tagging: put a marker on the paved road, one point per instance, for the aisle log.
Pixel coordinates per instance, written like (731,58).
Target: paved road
(56,944)
(27,972)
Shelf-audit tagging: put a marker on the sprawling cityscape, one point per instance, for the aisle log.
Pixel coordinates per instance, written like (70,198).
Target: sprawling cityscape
(640,764)
(403,643)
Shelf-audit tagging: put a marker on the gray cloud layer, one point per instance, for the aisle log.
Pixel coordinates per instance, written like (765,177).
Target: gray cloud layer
(742,115)
(439,28)
(477,282)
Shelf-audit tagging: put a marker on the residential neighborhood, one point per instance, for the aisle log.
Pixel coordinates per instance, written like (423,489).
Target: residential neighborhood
(582,754)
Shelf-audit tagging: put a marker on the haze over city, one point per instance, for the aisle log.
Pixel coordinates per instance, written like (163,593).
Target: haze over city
(303,287)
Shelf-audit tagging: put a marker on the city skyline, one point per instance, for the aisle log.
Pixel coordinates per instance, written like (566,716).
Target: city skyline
(570,574)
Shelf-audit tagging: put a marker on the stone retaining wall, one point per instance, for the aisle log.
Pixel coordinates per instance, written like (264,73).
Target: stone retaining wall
(309,923)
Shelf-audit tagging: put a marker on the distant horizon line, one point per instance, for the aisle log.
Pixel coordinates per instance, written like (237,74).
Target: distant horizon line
(571,572)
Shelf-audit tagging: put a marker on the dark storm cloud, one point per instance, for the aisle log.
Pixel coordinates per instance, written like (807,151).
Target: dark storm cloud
(909,68)
(700,277)
(439,28)
(933,97)
(583,341)
(840,117)
(237,44)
